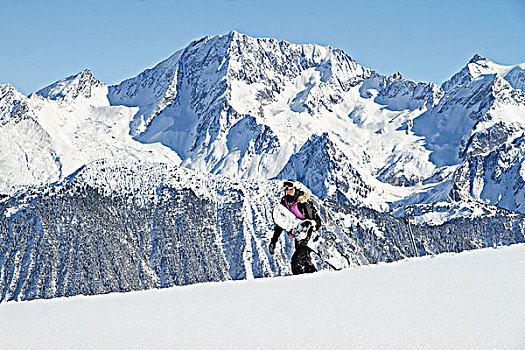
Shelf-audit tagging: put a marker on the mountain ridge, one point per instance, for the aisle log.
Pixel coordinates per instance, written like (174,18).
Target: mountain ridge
(242,107)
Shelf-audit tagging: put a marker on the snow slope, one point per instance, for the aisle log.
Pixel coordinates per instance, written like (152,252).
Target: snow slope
(469,300)
(49,135)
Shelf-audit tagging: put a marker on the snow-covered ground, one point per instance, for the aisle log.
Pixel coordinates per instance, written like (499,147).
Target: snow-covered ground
(469,300)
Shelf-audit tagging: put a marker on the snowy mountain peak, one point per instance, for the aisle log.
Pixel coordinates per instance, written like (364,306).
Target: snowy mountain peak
(234,34)
(476,58)
(397,76)
(78,85)
(8,93)
(194,101)
(480,66)
(13,104)
(6,87)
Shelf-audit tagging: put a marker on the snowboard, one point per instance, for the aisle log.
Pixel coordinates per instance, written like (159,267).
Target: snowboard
(297,228)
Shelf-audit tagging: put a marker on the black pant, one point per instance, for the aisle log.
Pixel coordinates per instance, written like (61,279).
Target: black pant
(301,260)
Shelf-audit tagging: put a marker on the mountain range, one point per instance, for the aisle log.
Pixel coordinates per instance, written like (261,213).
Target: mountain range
(105,187)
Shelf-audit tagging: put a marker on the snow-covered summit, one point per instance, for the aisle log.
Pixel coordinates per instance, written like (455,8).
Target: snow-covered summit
(480,66)
(82,84)
(477,126)
(241,106)
(13,104)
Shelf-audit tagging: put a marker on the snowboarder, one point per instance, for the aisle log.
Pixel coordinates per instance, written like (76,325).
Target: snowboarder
(297,202)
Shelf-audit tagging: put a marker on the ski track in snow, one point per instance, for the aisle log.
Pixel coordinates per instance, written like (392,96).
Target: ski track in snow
(469,300)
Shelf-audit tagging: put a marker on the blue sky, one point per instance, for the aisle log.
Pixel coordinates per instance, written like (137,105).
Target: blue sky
(44,41)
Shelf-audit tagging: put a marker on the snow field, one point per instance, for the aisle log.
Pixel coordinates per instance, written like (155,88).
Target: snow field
(469,300)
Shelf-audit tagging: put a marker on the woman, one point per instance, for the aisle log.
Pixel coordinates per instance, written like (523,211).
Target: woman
(297,202)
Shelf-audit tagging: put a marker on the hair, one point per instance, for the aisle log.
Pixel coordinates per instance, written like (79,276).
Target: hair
(302,195)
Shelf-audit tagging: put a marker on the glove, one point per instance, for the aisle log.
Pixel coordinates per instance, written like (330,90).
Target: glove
(303,242)
(271,248)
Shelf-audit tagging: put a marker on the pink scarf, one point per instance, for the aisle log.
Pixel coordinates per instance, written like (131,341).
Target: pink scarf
(295,210)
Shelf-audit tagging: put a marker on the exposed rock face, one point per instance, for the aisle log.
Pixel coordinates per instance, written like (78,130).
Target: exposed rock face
(326,171)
